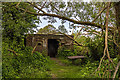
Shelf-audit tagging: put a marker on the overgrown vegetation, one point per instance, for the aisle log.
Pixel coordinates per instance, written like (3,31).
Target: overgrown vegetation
(63,52)
(17,60)
(103,39)
(24,65)
(64,68)
(92,61)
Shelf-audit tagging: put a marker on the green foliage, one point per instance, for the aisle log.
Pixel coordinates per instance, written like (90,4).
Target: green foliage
(96,48)
(62,68)
(78,62)
(65,62)
(15,23)
(107,70)
(113,49)
(49,29)
(62,29)
(88,69)
(24,65)
(79,50)
(63,52)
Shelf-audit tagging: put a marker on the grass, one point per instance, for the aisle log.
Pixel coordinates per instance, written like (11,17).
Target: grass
(61,68)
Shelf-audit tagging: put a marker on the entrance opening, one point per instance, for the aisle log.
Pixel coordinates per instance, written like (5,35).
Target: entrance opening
(52,47)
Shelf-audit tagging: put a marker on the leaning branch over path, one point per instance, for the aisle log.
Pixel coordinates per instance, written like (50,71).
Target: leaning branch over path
(60,17)
(72,39)
(106,36)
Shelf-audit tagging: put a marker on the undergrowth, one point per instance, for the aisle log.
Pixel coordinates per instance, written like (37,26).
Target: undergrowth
(24,65)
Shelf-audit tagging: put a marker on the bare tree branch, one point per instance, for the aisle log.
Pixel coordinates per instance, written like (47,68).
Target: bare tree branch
(54,7)
(18,4)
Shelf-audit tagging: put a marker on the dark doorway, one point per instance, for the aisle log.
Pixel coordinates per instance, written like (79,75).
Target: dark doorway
(52,47)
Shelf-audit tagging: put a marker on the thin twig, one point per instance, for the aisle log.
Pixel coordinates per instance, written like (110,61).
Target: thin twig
(71,39)
(34,48)
(78,33)
(18,4)
(100,13)
(54,7)
(36,7)
(13,52)
(43,5)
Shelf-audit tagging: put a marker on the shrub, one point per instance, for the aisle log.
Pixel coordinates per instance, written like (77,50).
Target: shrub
(24,65)
(63,52)
(107,70)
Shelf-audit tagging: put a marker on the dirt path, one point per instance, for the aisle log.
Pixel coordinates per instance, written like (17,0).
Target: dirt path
(58,61)
(61,70)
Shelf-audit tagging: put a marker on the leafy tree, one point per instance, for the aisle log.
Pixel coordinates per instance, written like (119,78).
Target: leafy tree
(62,29)
(17,59)
(86,14)
(49,29)
(16,23)
(92,16)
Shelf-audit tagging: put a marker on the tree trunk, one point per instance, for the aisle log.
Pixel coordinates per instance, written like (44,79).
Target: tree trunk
(117,12)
